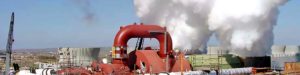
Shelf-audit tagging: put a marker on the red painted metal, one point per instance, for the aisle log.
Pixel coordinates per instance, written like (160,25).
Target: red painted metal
(147,61)
(152,62)
(107,69)
(141,31)
(74,71)
(181,64)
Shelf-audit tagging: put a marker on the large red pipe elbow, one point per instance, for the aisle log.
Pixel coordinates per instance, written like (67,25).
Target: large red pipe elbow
(142,31)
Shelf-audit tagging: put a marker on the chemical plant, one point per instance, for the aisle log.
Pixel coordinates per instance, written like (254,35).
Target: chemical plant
(181,30)
(120,59)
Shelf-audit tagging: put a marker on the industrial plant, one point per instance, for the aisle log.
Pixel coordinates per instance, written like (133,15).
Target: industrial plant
(121,59)
(181,31)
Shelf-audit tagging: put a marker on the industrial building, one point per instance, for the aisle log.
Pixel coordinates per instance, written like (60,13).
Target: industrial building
(215,55)
(83,56)
(80,56)
(284,53)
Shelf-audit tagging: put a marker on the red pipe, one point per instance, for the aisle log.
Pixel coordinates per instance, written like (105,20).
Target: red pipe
(142,31)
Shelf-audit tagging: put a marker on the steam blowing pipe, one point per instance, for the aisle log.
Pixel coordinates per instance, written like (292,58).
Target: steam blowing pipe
(141,31)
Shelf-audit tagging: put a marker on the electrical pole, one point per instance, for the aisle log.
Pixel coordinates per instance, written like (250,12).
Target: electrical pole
(10,41)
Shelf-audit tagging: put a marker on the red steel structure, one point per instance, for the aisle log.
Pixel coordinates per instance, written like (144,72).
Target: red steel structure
(145,60)
(140,31)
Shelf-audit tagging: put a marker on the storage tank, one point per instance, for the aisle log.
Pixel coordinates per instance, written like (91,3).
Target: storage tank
(292,50)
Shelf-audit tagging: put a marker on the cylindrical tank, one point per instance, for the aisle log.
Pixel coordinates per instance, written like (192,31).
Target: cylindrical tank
(291,50)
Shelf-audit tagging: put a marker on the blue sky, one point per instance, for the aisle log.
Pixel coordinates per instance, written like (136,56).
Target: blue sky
(59,23)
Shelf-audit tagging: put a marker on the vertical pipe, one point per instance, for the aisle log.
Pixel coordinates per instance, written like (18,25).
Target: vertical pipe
(165,40)
(9,45)
(165,51)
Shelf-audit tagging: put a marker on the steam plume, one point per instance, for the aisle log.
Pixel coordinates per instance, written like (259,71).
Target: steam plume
(243,26)
(185,20)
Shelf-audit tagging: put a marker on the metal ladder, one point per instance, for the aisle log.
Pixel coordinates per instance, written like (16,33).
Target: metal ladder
(139,44)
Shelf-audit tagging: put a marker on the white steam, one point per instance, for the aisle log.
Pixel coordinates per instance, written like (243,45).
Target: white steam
(243,26)
(185,20)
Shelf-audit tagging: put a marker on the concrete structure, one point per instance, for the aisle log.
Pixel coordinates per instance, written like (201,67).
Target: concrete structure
(282,54)
(292,50)
(278,49)
(81,56)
